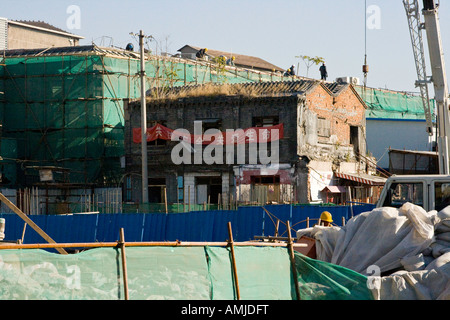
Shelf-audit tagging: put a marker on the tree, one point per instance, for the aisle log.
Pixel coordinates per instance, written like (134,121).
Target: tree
(309,61)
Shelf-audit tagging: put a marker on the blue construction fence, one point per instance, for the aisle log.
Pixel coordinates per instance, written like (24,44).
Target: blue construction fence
(198,226)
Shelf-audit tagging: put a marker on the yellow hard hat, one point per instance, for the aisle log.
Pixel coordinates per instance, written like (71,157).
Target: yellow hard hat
(326,216)
(206,49)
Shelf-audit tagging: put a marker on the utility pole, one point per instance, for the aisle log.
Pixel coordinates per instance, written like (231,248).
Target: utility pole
(143,122)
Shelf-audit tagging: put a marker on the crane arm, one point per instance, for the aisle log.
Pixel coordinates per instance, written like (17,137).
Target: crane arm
(439,79)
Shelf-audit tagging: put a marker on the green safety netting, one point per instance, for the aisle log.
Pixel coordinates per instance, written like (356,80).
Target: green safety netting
(384,104)
(68,109)
(181,273)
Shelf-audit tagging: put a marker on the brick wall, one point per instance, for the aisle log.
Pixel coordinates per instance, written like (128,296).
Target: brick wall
(342,111)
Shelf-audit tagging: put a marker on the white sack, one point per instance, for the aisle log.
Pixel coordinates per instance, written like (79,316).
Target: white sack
(381,237)
(433,283)
(326,238)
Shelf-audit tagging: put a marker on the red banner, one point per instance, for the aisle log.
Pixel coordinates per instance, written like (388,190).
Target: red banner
(238,136)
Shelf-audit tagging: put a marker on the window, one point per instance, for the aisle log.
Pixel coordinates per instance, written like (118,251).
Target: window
(265,179)
(211,124)
(265,189)
(400,193)
(208,189)
(441,195)
(156,188)
(128,189)
(323,127)
(354,140)
(266,121)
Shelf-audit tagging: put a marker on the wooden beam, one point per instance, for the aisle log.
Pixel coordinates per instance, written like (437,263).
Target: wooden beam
(5,246)
(30,222)
(124,264)
(233,262)
(292,258)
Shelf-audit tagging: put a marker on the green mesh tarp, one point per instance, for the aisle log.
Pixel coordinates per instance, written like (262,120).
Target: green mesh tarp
(384,104)
(68,108)
(320,280)
(263,273)
(181,273)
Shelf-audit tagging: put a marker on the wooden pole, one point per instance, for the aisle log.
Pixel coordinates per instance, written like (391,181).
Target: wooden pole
(291,254)
(33,225)
(23,232)
(277,228)
(149,244)
(233,261)
(124,264)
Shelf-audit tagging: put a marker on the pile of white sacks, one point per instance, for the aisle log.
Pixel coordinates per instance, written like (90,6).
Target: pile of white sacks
(404,252)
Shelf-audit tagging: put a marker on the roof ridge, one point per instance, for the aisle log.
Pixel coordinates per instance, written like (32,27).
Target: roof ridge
(42,24)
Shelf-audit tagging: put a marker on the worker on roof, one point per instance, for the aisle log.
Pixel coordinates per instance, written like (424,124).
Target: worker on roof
(323,72)
(230,62)
(287,73)
(201,53)
(292,70)
(222,59)
(326,219)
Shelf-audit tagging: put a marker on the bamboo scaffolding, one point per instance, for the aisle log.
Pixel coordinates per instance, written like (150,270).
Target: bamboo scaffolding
(124,264)
(146,244)
(291,254)
(233,261)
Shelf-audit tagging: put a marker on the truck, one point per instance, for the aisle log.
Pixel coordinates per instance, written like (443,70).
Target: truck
(432,192)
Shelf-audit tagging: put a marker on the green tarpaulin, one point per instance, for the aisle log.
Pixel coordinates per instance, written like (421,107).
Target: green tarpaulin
(173,273)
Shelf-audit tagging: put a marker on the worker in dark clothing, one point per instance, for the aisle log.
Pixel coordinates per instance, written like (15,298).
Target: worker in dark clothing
(201,53)
(292,71)
(323,72)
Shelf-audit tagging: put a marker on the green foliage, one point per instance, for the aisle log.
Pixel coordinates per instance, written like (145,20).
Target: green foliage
(309,61)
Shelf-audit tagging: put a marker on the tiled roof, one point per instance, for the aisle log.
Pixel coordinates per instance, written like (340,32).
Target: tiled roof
(260,89)
(241,59)
(42,25)
(72,50)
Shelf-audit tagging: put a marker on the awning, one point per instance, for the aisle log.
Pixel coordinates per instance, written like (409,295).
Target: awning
(362,178)
(334,189)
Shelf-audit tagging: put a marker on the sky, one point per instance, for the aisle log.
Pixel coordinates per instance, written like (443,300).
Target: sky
(277,31)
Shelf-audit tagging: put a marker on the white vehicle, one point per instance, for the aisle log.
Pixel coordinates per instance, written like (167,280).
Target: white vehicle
(431,192)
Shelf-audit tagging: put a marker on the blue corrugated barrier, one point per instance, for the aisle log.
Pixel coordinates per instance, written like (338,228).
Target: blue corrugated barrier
(247,222)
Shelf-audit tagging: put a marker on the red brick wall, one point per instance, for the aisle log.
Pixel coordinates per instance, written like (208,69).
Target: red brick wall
(343,111)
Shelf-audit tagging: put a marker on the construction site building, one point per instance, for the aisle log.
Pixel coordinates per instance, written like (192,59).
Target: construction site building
(323,135)
(62,110)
